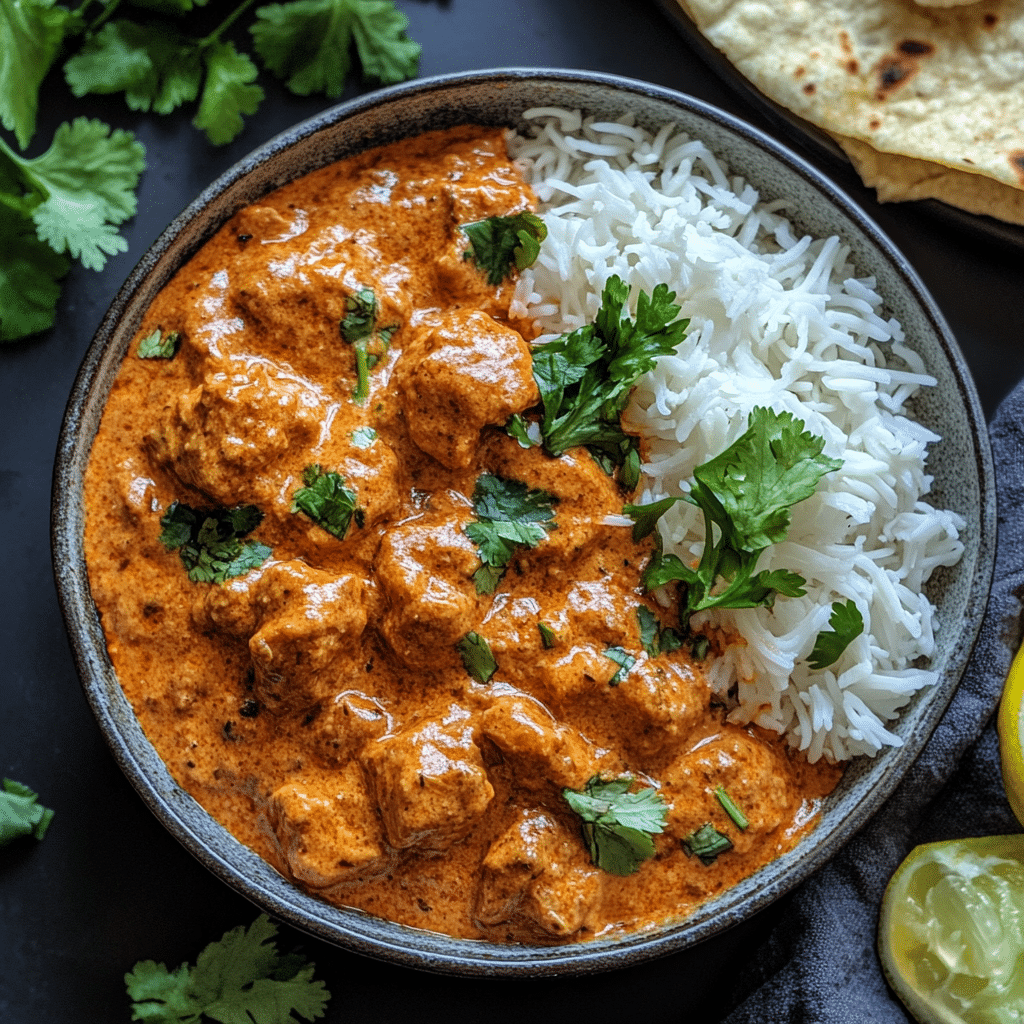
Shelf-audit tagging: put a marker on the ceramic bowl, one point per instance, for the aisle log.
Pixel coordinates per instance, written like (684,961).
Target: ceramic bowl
(961,464)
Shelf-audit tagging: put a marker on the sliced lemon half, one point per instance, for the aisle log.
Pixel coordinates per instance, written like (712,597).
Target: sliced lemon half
(1011,730)
(951,933)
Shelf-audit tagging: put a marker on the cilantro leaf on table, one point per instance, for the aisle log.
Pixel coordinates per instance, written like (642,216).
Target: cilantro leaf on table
(29,274)
(209,541)
(477,657)
(327,501)
(847,624)
(498,244)
(228,92)
(747,492)
(78,190)
(307,43)
(21,814)
(618,824)
(239,979)
(508,515)
(154,65)
(31,34)
(585,377)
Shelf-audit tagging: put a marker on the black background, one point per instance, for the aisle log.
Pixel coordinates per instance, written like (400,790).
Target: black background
(108,886)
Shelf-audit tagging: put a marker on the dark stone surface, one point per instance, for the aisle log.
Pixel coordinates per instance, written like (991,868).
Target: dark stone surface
(108,886)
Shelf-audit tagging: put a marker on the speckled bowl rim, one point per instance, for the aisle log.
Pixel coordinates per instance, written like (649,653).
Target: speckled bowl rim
(863,790)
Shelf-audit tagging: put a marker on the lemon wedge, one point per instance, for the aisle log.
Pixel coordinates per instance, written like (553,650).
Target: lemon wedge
(951,933)
(1011,730)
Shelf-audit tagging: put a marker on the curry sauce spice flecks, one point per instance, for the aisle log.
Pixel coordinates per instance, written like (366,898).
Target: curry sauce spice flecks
(318,704)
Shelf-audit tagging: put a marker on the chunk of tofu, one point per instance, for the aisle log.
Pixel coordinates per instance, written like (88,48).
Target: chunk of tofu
(310,619)
(658,702)
(536,877)
(349,721)
(459,372)
(544,752)
(754,774)
(299,621)
(327,830)
(224,435)
(425,569)
(430,782)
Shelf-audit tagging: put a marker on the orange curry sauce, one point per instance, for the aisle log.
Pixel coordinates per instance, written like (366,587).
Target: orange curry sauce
(317,706)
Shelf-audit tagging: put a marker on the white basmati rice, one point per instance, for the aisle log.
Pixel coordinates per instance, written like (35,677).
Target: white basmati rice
(780,320)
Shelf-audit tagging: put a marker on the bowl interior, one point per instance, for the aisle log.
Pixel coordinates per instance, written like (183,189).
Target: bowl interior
(960,463)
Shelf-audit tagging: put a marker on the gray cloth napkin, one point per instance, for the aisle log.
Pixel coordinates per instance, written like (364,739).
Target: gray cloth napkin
(819,964)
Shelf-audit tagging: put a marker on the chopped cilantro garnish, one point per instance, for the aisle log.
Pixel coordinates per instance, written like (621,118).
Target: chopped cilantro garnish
(847,624)
(209,540)
(655,638)
(706,843)
(359,329)
(242,977)
(618,824)
(21,814)
(363,437)
(327,501)
(738,817)
(747,492)
(477,657)
(509,515)
(623,659)
(159,345)
(585,377)
(548,637)
(500,243)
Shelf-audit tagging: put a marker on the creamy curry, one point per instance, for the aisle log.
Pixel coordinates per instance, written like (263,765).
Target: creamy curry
(319,701)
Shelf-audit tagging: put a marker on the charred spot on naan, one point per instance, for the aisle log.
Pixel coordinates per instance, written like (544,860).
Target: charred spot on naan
(896,69)
(1017,163)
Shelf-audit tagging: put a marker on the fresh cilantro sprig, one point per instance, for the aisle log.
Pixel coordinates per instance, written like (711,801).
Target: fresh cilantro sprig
(498,244)
(847,624)
(747,493)
(509,515)
(209,541)
(66,202)
(158,67)
(327,501)
(618,824)
(585,377)
(78,191)
(21,814)
(477,657)
(240,978)
(308,43)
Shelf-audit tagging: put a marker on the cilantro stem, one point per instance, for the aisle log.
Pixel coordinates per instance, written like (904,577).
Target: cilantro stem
(738,817)
(20,169)
(107,11)
(362,389)
(215,35)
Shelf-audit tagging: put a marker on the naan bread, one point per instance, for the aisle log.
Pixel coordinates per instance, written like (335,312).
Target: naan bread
(943,85)
(901,178)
